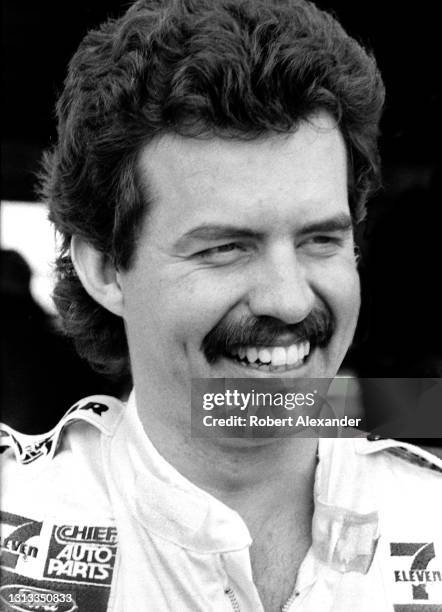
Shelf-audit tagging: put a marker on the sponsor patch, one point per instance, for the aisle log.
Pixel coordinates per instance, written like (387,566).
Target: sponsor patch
(19,540)
(55,568)
(416,576)
(83,554)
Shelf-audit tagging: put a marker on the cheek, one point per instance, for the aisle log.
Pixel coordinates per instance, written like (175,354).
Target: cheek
(177,310)
(353,293)
(339,288)
(347,304)
(348,289)
(200,305)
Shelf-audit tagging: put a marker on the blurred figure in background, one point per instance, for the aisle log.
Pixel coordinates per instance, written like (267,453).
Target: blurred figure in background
(41,376)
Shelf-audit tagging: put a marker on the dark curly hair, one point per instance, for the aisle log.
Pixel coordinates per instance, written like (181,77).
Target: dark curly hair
(199,68)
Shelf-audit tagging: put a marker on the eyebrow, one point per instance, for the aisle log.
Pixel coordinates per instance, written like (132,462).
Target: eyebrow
(213,232)
(341,222)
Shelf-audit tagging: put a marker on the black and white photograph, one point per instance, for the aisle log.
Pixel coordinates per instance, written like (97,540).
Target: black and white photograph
(221,349)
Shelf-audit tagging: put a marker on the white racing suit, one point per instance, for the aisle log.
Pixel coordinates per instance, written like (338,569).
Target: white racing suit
(94,519)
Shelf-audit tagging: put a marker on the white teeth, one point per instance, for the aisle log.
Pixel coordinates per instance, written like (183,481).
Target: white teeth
(252,354)
(301,351)
(292,354)
(274,356)
(264,355)
(279,356)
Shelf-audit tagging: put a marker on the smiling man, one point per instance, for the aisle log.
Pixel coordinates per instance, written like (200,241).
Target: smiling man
(213,159)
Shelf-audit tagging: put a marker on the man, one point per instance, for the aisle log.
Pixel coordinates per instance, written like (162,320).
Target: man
(212,161)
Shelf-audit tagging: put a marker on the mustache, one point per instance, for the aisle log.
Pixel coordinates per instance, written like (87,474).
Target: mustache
(317,328)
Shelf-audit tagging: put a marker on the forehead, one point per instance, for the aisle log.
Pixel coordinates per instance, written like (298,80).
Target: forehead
(281,179)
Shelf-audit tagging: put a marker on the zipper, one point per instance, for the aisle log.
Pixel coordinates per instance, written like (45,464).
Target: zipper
(235,604)
(288,603)
(232,597)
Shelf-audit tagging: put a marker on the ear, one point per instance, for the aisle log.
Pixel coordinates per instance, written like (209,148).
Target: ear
(98,275)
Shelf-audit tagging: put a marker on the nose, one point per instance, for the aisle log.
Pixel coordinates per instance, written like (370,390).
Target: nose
(281,288)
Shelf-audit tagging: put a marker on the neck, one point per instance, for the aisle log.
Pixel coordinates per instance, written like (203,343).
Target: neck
(258,480)
(250,476)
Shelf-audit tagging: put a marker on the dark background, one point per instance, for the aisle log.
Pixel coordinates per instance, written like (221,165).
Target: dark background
(40,37)
(400,331)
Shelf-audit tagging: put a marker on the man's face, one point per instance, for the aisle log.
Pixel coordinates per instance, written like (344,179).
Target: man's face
(245,266)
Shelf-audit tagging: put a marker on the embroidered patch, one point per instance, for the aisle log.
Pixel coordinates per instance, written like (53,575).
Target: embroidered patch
(20,543)
(416,574)
(82,554)
(55,568)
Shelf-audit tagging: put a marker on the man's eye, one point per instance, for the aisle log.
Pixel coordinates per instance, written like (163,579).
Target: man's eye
(324,239)
(221,253)
(323,244)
